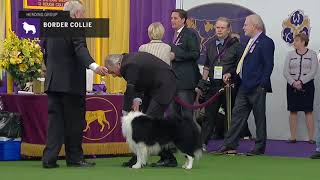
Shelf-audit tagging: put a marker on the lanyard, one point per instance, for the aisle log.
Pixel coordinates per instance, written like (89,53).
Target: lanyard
(219,55)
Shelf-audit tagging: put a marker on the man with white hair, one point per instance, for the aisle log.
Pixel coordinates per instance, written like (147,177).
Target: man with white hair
(254,68)
(147,76)
(66,60)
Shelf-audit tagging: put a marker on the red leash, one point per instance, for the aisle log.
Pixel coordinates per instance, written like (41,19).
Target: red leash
(197,106)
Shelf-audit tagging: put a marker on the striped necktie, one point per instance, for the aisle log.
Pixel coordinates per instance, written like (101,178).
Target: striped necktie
(245,52)
(175,36)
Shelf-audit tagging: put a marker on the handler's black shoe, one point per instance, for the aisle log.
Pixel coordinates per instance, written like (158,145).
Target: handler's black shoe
(47,165)
(315,156)
(165,163)
(225,150)
(81,163)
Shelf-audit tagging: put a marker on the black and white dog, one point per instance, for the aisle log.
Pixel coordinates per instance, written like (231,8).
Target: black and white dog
(148,136)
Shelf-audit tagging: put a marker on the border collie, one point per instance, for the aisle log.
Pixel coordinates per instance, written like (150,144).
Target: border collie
(148,136)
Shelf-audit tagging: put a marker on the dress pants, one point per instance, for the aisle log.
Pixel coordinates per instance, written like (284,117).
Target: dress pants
(187,96)
(245,102)
(153,108)
(212,123)
(66,120)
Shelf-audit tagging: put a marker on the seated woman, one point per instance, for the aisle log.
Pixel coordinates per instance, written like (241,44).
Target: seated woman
(156,47)
(300,69)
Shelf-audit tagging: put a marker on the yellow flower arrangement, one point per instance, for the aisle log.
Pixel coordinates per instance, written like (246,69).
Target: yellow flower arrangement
(22,58)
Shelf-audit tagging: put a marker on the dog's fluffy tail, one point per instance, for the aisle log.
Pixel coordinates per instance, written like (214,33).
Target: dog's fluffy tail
(198,154)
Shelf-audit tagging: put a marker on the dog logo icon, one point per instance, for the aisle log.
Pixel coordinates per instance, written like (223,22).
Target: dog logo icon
(99,116)
(29,27)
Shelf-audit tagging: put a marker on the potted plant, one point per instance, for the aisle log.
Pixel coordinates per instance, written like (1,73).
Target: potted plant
(22,58)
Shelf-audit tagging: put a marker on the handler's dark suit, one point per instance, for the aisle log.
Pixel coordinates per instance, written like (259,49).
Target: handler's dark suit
(152,78)
(66,60)
(186,48)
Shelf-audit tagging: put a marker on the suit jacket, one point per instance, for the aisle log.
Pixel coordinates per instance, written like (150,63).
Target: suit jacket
(66,60)
(187,52)
(146,74)
(230,54)
(258,65)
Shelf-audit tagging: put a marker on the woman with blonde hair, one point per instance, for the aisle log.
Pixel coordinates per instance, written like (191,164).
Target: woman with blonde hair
(156,47)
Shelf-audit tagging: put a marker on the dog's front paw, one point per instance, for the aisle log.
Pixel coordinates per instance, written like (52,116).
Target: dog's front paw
(137,166)
(185,165)
(189,166)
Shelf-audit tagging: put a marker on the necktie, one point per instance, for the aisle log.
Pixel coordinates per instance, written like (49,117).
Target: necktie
(245,52)
(175,36)
(219,46)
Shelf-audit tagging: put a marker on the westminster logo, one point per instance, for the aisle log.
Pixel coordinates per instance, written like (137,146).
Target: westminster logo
(296,23)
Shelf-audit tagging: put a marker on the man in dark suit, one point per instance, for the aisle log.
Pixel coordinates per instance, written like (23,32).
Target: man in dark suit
(186,50)
(148,78)
(254,68)
(66,60)
(222,57)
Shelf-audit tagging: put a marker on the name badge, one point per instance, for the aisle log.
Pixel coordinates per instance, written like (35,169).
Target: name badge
(217,72)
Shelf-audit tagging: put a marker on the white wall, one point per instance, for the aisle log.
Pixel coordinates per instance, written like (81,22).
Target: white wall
(273,12)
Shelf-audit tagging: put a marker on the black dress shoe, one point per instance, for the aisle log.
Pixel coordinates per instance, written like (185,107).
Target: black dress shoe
(291,141)
(311,141)
(82,163)
(165,163)
(225,150)
(47,165)
(131,162)
(255,152)
(315,156)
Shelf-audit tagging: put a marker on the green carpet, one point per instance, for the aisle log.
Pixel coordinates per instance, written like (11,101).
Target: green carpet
(209,167)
